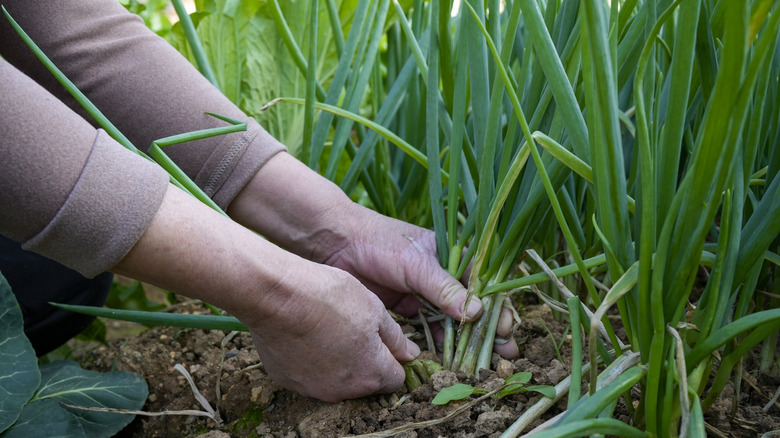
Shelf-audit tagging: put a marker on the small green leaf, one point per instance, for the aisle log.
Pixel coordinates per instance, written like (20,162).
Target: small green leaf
(19,374)
(66,382)
(131,297)
(521,377)
(45,418)
(545,390)
(459,391)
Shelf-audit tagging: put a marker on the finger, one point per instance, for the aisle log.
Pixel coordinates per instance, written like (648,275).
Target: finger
(444,291)
(505,320)
(393,337)
(402,304)
(508,349)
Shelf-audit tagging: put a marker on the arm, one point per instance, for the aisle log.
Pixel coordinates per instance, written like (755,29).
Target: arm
(307,214)
(317,329)
(74,195)
(147,89)
(141,83)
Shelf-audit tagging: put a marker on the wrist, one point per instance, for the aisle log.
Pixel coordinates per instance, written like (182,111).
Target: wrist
(296,208)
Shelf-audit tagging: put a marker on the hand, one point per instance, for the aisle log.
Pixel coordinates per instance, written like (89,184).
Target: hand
(318,330)
(312,217)
(329,337)
(395,259)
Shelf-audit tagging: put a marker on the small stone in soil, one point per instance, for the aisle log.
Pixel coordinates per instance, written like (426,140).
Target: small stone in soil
(505,368)
(556,372)
(443,379)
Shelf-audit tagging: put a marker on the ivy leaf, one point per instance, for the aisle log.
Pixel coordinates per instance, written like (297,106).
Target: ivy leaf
(459,391)
(19,376)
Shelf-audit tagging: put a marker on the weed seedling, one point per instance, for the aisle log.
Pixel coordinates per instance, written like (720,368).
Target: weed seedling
(514,384)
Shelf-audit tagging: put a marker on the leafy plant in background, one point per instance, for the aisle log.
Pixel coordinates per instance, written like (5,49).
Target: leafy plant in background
(153,12)
(48,400)
(250,61)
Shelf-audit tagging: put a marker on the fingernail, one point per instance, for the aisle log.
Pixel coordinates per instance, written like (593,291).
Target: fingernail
(475,306)
(413,350)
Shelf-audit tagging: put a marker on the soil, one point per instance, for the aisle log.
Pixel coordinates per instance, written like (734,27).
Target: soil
(251,405)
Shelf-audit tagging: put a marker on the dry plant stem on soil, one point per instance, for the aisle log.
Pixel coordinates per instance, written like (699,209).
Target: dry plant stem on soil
(209,411)
(186,412)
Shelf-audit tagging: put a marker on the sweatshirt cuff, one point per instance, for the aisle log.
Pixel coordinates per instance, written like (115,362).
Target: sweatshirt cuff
(235,162)
(109,208)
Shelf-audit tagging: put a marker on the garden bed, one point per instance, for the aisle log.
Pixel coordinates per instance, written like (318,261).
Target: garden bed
(252,405)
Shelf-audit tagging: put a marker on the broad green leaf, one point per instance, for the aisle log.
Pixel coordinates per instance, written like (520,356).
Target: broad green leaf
(458,391)
(19,376)
(45,418)
(67,383)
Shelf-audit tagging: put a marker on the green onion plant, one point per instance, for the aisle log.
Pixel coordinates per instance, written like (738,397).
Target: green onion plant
(631,142)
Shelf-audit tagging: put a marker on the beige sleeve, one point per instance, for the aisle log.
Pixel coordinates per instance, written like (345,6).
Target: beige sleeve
(140,83)
(67,190)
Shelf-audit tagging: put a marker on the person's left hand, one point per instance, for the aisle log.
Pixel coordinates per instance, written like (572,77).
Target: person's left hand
(306,214)
(395,260)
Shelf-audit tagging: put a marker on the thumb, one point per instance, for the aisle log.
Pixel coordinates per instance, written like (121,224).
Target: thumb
(393,337)
(444,291)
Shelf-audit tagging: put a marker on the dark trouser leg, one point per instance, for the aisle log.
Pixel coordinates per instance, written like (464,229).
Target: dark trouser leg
(36,281)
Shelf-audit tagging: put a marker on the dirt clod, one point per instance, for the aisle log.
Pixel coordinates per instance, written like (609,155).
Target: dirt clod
(443,379)
(505,368)
(492,422)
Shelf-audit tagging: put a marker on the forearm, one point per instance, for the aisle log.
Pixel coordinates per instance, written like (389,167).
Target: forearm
(317,330)
(303,212)
(190,249)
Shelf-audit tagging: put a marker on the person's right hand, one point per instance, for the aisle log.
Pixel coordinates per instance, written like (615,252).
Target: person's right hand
(322,334)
